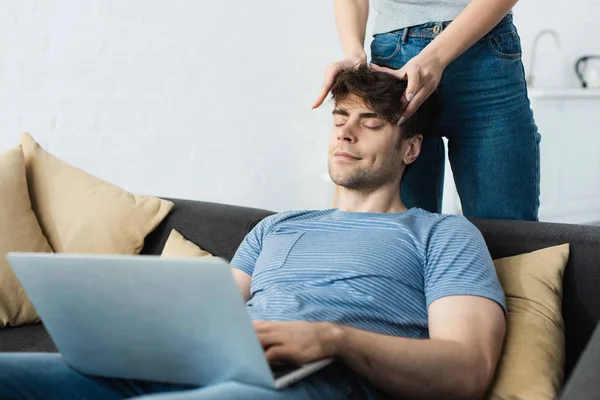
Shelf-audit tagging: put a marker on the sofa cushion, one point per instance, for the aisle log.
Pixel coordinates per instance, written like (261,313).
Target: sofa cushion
(80,213)
(178,246)
(19,231)
(533,356)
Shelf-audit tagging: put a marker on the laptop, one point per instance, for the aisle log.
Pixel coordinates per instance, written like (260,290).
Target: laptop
(141,317)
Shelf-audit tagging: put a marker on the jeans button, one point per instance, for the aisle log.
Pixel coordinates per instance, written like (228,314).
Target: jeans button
(436,29)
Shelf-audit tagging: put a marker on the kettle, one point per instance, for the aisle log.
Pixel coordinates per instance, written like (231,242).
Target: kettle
(587,69)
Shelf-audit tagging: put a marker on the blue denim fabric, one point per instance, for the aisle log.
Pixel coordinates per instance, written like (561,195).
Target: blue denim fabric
(46,376)
(493,141)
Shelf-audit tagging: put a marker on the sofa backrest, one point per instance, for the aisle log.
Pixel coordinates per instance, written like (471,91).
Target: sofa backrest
(216,228)
(220,228)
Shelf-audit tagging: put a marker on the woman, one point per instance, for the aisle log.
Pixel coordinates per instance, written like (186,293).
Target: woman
(470,53)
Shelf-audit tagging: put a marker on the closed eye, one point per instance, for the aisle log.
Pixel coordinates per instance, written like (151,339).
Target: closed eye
(339,122)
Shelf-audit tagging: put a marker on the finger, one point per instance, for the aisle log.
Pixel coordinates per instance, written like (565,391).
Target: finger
(283,355)
(416,102)
(278,355)
(414,83)
(402,73)
(329,76)
(272,326)
(266,326)
(259,324)
(377,68)
(321,98)
(270,339)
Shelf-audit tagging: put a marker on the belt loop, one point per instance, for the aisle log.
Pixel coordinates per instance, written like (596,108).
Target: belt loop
(404,35)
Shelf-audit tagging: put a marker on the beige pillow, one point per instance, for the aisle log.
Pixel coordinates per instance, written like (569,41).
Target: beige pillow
(19,231)
(178,246)
(80,213)
(533,357)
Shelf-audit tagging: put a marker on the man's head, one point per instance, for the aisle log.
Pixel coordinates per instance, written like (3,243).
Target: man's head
(367,149)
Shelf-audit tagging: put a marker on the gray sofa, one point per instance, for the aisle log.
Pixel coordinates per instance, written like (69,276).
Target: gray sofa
(220,228)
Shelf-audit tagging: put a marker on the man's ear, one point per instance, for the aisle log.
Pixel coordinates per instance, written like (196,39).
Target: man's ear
(412,149)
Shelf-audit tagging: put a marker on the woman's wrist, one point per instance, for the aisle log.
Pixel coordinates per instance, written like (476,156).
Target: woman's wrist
(441,55)
(359,56)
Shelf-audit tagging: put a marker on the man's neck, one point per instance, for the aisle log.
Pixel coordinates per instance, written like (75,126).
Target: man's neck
(385,199)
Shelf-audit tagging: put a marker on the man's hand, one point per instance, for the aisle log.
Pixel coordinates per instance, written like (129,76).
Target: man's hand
(298,342)
(331,70)
(423,73)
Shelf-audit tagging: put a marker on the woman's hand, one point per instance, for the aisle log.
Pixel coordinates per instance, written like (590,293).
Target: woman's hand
(333,69)
(423,74)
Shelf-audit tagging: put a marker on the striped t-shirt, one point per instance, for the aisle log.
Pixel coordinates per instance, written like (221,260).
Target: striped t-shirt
(372,271)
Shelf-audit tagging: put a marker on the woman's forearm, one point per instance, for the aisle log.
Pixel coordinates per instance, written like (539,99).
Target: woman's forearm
(476,20)
(351,20)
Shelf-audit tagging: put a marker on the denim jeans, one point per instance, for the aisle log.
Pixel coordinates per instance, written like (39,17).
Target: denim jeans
(46,376)
(493,141)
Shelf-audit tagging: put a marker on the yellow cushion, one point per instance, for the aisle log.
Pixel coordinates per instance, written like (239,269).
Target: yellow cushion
(19,231)
(533,357)
(178,246)
(80,213)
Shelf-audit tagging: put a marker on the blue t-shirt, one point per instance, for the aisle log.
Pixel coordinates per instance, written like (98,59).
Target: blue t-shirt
(372,271)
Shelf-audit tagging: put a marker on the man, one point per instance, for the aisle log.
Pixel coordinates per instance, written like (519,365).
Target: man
(406,301)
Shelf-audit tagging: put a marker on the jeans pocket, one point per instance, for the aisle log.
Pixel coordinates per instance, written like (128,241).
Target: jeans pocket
(505,44)
(276,249)
(385,46)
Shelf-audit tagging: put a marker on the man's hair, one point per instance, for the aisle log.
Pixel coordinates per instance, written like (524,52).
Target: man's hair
(384,93)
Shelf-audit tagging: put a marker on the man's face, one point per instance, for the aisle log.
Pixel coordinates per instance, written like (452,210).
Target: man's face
(363,149)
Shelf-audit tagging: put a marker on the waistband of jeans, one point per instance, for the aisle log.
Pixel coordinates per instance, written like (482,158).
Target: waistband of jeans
(433,29)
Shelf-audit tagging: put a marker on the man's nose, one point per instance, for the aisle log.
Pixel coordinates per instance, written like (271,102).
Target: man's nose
(346,133)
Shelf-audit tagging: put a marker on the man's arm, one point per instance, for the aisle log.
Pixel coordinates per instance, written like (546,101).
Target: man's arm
(243,281)
(245,257)
(458,361)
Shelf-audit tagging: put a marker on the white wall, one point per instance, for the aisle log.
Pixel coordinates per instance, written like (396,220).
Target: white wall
(575,22)
(207,100)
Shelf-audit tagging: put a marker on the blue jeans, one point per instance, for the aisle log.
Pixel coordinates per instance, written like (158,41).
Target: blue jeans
(47,376)
(493,142)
